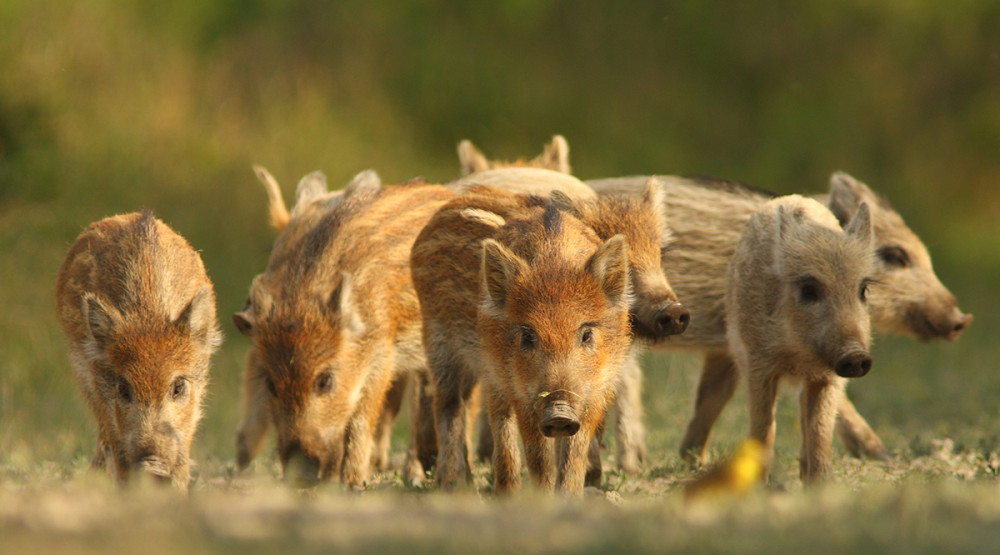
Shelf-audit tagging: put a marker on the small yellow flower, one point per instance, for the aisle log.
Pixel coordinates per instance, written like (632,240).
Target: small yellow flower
(733,477)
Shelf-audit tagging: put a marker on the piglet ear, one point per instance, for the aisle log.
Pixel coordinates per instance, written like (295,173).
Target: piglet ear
(499,268)
(782,223)
(555,156)
(471,159)
(365,182)
(310,187)
(653,200)
(860,226)
(566,203)
(244,320)
(789,215)
(344,303)
(198,318)
(846,196)
(102,321)
(609,267)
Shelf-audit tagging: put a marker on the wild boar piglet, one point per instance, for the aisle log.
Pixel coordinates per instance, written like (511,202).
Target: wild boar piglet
(335,326)
(530,300)
(138,310)
(797,308)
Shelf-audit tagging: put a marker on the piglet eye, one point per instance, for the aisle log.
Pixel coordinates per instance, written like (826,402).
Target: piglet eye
(324,382)
(587,336)
(124,390)
(863,291)
(894,256)
(180,388)
(270,388)
(810,290)
(529,338)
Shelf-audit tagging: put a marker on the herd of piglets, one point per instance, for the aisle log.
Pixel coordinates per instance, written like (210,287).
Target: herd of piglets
(513,302)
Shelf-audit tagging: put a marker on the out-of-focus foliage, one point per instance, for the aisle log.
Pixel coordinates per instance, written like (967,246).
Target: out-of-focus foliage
(110,105)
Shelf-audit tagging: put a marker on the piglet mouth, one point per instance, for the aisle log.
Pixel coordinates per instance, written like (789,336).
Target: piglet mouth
(302,470)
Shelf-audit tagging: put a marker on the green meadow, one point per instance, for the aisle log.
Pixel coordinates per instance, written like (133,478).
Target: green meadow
(108,107)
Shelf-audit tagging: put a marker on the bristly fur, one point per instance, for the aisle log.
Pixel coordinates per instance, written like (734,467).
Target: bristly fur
(138,311)
(552,221)
(730,186)
(542,278)
(336,331)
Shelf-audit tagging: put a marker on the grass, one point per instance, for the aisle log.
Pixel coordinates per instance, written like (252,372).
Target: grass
(917,511)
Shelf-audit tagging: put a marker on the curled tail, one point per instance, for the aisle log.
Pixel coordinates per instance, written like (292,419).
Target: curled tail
(276,205)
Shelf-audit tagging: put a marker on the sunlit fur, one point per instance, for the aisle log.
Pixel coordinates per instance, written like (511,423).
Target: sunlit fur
(487,265)
(656,312)
(139,312)
(336,331)
(311,195)
(644,225)
(525,180)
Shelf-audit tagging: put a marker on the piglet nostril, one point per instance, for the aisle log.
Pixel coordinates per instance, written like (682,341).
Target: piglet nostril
(963,323)
(559,419)
(684,319)
(957,326)
(557,427)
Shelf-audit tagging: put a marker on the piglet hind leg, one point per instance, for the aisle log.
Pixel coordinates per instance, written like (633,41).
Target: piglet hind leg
(630,431)
(858,437)
(595,468)
(715,388)
(422,452)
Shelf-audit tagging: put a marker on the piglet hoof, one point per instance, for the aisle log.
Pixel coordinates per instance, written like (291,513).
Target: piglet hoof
(880,455)
(693,458)
(413,472)
(633,458)
(629,464)
(861,445)
(593,477)
(452,481)
(243,458)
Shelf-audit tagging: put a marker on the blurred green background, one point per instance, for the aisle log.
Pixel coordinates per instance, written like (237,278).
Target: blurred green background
(110,106)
